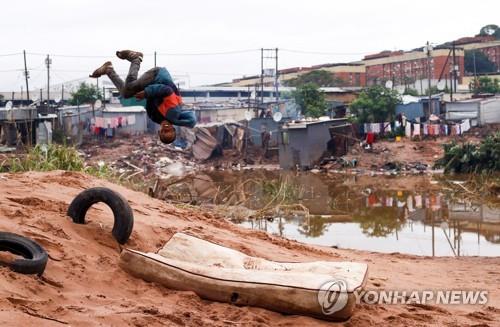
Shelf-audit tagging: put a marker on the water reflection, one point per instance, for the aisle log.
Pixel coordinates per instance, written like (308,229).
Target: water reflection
(377,216)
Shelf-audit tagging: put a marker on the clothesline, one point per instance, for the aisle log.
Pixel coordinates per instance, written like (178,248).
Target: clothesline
(101,126)
(115,122)
(416,129)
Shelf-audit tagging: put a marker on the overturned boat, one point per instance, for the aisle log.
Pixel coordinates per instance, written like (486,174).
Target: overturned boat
(321,289)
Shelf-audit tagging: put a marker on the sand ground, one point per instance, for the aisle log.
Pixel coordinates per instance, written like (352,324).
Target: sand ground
(83,285)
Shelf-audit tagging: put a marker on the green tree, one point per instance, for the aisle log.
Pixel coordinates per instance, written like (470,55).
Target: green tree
(485,85)
(321,78)
(482,62)
(410,91)
(311,100)
(490,29)
(86,93)
(434,90)
(375,104)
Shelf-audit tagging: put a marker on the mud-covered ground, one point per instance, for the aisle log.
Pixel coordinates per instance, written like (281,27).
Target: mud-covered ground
(83,285)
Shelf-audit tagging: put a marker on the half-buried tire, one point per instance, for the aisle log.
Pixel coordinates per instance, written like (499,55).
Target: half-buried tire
(124,217)
(34,255)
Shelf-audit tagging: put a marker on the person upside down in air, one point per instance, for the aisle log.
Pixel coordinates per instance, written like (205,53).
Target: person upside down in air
(163,99)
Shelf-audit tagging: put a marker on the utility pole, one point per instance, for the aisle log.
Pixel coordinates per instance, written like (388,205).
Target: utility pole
(429,72)
(155,59)
(276,81)
(62,94)
(474,60)
(455,73)
(48,61)
(263,71)
(261,75)
(26,76)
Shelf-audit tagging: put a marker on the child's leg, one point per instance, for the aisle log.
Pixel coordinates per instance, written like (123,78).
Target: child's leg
(116,79)
(133,84)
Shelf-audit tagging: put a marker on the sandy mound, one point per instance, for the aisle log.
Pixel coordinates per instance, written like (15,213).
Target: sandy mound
(83,285)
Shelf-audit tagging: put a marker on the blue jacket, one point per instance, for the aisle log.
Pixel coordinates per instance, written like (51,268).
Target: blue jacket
(163,86)
(163,77)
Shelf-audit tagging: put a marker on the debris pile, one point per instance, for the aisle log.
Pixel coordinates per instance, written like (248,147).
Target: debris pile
(148,158)
(143,156)
(338,164)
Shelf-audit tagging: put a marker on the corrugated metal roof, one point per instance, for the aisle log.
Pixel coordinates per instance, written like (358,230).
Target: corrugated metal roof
(124,109)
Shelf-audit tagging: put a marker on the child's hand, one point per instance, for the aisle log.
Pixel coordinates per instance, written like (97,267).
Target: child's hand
(140,95)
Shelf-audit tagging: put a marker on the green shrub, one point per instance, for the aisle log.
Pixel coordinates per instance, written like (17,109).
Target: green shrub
(45,158)
(53,157)
(472,158)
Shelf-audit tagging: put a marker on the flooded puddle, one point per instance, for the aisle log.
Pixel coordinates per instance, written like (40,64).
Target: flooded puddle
(403,214)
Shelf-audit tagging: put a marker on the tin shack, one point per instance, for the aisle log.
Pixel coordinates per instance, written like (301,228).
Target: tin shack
(302,144)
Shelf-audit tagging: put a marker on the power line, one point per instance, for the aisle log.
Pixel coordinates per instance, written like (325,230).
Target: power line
(10,54)
(68,55)
(215,53)
(11,70)
(325,53)
(21,69)
(207,53)
(152,54)
(205,73)
(125,72)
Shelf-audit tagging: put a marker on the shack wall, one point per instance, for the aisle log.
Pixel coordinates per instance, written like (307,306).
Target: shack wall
(293,147)
(220,115)
(75,120)
(140,126)
(305,146)
(318,136)
(489,112)
(411,110)
(257,125)
(462,110)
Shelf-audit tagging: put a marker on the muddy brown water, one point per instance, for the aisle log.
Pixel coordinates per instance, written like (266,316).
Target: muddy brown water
(413,215)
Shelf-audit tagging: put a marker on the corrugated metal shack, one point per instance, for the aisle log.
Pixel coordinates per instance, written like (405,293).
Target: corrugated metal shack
(75,121)
(479,111)
(219,113)
(259,125)
(132,120)
(207,140)
(14,119)
(417,107)
(302,144)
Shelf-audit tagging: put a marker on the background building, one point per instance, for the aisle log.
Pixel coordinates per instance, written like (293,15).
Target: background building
(485,44)
(347,75)
(411,68)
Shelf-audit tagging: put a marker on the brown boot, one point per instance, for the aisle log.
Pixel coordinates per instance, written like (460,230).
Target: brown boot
(129,55)
(103,70)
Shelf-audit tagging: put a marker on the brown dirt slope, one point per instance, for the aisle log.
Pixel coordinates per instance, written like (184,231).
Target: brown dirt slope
(83,285)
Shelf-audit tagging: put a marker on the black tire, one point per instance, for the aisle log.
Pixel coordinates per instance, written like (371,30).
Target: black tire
(35,256)
(123,214)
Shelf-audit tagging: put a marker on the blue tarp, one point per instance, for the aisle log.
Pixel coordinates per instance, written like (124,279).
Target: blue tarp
(411,110)
(416,109)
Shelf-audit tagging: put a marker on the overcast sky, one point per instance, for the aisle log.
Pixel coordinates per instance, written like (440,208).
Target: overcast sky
(345,29)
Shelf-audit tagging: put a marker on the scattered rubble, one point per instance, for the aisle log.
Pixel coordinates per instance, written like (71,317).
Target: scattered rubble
(140,155)
(150,159)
